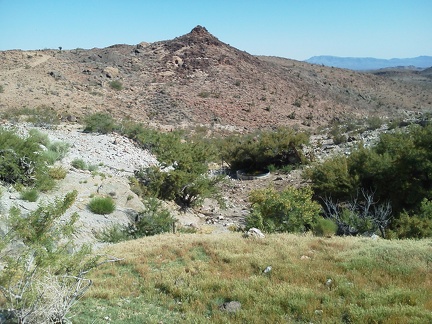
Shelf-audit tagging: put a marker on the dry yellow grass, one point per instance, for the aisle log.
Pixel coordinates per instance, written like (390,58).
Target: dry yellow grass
(186,277)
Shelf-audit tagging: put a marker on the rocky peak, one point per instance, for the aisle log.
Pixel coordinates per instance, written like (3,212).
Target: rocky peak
(200,35)
(200,30)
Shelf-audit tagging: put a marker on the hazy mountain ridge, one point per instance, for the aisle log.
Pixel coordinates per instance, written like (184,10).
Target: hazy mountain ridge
(370,63)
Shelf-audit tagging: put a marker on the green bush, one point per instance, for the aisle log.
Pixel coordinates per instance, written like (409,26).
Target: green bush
(260,150)
(99,123)
(152,221)
(21,161)
(116,85)
(114,234)
(397,169)
(79,164)
(43,116)
(30,195)
(185,178)
(42,263)
(415,226)
(57,172)
(324,227)
(290,210)
(56,151)
(102,205)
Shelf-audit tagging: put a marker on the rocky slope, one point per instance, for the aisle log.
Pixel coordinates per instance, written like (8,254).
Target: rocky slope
(197,79)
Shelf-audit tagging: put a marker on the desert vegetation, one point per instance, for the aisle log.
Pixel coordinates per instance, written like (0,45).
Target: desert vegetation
(187,278)
(344,195)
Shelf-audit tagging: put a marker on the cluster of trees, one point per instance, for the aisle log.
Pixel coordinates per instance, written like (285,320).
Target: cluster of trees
(397,172)
(385,189)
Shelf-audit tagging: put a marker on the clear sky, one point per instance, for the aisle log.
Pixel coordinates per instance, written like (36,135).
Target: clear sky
(296,29)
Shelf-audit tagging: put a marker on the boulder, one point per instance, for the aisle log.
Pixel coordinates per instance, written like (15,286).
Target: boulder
(230,307)
(254,233)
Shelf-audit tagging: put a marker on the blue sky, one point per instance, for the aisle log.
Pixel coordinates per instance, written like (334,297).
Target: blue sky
(296,29)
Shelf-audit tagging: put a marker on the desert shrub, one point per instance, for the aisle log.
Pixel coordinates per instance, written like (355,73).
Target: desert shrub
(99,123)
(114,234)
(204,94)
(373,122)
(79,164)
(40,280)
(21,160)
(152,221)
(332,178)
(30,195)
(41,138)
(102,205)
(418,225)
(57,172)
(60,149)
(397,169)
(43,116)
(290,210)
(324,227)
(183,176)
(1,88)
(116,85)
(259,150)
(338,136)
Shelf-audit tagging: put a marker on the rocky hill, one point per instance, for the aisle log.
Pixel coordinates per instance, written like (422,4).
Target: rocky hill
(197,79)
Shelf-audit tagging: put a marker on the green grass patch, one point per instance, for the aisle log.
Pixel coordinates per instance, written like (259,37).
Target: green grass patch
(102,205)
(185,278)
(30,195)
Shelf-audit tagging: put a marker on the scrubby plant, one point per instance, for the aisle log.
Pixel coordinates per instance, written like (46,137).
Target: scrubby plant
(397,169)
(324,227)
(57,172)
(289,210)
(418,225)
(43,116)
(21,161)
(44,275)
(102,205)
(79,164)
(259,150)
(114,234)
(154,219)
(183,176)
(116,85)
(30,195)
(99,122)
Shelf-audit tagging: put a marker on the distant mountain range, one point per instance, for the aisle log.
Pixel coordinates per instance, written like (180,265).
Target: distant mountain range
(370,63)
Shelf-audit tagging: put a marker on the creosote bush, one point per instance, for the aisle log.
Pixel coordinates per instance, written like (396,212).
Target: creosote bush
(153,220)
(396,170)
(30,195)
(99,123)
(116,85)
(102,205)
(289,210)
(23,161)
(260,150)
(43,276)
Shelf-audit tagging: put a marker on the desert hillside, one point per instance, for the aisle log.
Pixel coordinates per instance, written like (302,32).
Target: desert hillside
(198,79)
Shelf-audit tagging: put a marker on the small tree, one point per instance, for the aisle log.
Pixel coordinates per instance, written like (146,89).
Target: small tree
(360,215)
(43,271)
(290,210)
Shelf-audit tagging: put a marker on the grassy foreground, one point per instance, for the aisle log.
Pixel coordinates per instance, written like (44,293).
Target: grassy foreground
(186,277)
